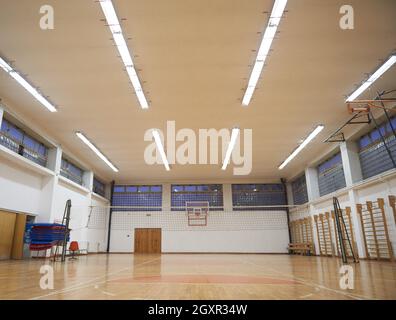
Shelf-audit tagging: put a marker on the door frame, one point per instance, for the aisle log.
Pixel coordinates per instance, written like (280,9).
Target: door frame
(148,239)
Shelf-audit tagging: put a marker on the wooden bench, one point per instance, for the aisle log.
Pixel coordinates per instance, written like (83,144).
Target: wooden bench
(303,248)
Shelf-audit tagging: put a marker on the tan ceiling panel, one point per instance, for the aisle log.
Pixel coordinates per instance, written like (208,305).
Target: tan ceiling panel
(194,59)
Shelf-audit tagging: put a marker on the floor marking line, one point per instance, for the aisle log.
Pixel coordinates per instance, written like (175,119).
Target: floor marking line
(313,284)
(85,284)
(76,286)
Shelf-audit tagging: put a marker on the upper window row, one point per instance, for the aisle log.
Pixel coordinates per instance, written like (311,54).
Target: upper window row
(71,171)
(197,188)
(374,136)
(299,190)
(137,189)
(210,193)
(22,143)
(377,156)
(244,196)
(99,187)
(257,196)
(331,175)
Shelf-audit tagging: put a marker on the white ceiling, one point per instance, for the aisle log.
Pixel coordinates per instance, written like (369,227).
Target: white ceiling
(194,59)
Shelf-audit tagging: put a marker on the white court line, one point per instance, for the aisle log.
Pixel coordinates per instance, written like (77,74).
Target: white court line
(105,292)
(312,284)
(85,284)
(78,285)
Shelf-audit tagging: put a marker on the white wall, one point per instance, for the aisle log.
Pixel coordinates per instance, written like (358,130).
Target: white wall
(244,241)
(20,189)
(238,231)
(80,202)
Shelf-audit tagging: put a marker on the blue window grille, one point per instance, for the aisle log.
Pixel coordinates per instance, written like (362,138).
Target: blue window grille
(211,193)
(258,196)
(137,198)
(299,190)
(71,171)
(99,187)
(374,158)
(331,175)
(20,142)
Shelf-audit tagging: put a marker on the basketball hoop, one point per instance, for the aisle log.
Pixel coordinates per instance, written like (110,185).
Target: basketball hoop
(197,213)
(364,106)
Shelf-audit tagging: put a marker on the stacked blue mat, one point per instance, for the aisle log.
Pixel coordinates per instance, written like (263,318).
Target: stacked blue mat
(45,235)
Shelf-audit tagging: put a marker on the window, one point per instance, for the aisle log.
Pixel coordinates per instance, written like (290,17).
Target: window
(98,187)
(331,175)
(20,142)
(212,193)
(137,198)
(71,171)
(374,158)
(252,196)
(299,190)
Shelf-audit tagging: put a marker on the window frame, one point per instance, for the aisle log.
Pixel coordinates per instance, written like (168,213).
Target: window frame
(140,190)
(197,191)
(34,150)
(254,190)
(65,172)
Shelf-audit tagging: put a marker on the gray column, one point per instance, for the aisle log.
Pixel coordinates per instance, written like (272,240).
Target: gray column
(350,162)
(88,177)
(311,176)
(289,191)
(353,173)
(227,197)
(49,186)
(315,235)
(166,197)
(54,159)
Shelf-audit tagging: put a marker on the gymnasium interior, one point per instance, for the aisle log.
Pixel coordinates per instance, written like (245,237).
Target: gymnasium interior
(185,149)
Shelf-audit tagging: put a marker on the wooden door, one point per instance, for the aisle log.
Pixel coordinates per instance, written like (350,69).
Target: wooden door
(147,240)
(19,232)
(7,226)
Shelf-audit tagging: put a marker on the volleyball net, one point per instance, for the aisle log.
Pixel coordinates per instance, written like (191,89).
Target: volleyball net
(187,218)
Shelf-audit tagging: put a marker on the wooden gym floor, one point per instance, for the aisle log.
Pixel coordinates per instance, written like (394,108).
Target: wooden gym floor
(196,276)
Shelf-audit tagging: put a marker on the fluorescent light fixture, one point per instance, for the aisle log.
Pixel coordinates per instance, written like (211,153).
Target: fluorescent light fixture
(234,136)
(160,148)
(265,46)
(389,63)
(311,136)
(7,68)
(96,150)
(116,31)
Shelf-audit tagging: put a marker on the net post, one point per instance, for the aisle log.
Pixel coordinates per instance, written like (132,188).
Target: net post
(283,181)
(110,215)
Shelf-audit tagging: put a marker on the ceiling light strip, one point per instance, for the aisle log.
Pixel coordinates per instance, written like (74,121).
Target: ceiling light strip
(377,74)
(96,150)
(40,98)
(234,136)
(116,31)
(265,46)
(311,136)
(160,148)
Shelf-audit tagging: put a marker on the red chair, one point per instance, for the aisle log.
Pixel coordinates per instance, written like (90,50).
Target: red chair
(73,248)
